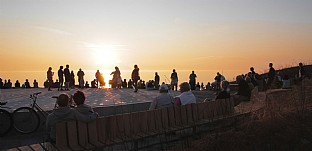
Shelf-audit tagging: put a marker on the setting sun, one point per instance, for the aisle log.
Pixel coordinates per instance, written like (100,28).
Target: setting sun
(103,55)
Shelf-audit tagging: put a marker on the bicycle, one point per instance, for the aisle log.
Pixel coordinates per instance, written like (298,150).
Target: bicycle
(26,119)
(6,120)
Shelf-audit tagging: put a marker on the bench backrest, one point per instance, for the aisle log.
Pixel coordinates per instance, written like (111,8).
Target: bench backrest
(78,135)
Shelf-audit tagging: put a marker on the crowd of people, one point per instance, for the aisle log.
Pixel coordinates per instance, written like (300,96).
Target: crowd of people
(7,84)
(66,80)
(76,109)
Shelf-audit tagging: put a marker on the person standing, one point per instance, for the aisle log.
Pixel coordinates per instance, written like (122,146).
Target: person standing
(80,75)
(72,79)
(60,74)
(67,77)
(97,77)
(302,73)
(192,80)
(116,78)
(156,80)
(174,80)
(50,78)
(271,76)
(135,77)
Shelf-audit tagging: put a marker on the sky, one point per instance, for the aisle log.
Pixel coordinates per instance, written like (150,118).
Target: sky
(155,34)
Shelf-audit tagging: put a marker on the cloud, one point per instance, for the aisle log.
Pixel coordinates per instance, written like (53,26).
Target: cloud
(53,30)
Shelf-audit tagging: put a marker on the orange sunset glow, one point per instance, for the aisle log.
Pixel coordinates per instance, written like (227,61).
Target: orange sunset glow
(206,36)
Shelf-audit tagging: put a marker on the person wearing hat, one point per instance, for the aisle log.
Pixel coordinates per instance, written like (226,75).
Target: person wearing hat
(163,100)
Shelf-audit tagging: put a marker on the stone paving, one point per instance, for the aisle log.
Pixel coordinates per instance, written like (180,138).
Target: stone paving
(95,97)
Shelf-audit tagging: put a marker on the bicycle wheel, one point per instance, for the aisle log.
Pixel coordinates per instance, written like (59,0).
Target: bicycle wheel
(5,122)
(26,120)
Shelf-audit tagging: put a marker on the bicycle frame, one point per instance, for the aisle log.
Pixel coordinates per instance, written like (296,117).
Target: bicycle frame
(34,105)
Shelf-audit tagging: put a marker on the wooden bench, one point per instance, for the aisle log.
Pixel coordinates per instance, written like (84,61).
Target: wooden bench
(109,130)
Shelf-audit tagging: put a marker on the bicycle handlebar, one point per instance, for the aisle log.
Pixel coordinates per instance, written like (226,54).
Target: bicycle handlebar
(37,93)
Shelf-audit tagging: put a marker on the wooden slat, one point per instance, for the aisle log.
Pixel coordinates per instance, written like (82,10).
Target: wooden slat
(164,117)
(223,107)
(219,108)
(143,123)
(120,127)
(135,125)
(47,146)
(36,147)
(195,112)
(184,115)
(171,117)
(211,110)
(177,115)
(61,136)
(111,130)
(189,113)
(126,124)
(73,135)
(93,134)
(206,110)
(83,135)
(151,122)
(201,109)
(158,120)
(25,148)
(102,130)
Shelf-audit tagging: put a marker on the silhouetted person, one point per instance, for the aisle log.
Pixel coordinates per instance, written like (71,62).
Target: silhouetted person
(243,93)
(202,86)
(197,86)
(97,77)
(80,75)
(192,80)
(56,84)
(224,94)
(35,84)
(87,85)
(60,74)
(208,86)
(7,84)
(218,80)
(67,77)
(124,83)
(93,84)
(130,83)
(1,84)
(135,77)
(27,84)
(174,80)
(17,84)
(271,76)
(302,73)
(252,75)
(63,113)
(79,99)
(116,78)
(72,79)
(50,78)
(46,84)
(156,80)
